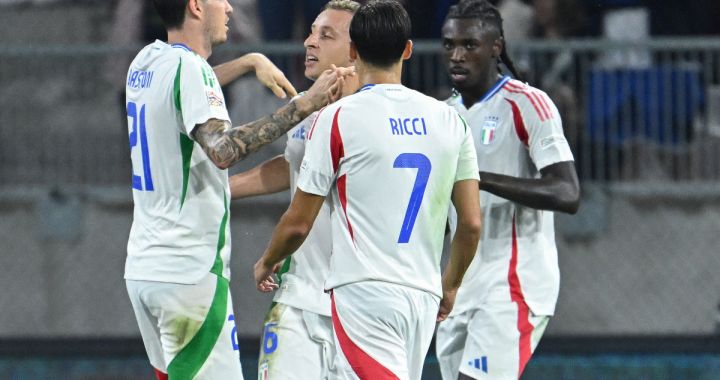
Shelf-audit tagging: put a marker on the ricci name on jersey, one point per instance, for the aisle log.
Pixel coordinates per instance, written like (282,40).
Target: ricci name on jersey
(408,126)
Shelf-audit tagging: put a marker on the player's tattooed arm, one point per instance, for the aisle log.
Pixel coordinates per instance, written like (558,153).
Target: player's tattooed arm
(225,146)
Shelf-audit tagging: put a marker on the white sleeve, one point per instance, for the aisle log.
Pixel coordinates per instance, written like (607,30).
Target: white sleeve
(467,166)
(200,97)
(296,138)
(317,171)
(546,142)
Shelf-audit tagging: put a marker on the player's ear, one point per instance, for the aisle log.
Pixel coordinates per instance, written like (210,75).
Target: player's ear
(498,45)
(194,8)
(353,52)
(407,52)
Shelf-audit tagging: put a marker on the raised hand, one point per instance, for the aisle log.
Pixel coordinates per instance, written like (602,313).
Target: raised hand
(269,75)
(328,87)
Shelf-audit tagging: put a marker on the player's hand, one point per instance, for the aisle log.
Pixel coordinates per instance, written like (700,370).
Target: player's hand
(328,87)
(263,276)
(351,84)
(446,304)
(320,93)
(270,76)
(347,84)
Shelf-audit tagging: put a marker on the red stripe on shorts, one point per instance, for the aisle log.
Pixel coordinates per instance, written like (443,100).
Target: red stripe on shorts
(160,375)
(523,322)
(362,364)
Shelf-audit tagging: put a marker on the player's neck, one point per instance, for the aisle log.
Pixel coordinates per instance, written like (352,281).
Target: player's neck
(195,41)
(471,96)
(369,74)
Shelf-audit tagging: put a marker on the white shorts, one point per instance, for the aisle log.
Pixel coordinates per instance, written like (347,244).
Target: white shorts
(188,330)
(296,345)
(383,330)
(493,342)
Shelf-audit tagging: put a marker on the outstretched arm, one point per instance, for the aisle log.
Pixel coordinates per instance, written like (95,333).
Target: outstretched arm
(226,146)
(289,234)
(558,189)
(267,73)
(466,199)
(269,177)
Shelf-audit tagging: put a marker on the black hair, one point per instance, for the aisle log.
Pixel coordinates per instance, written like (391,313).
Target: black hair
(380,29)
(172,12)
(489,16)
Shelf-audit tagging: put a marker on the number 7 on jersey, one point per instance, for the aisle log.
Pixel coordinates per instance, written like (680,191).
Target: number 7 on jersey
(420,162)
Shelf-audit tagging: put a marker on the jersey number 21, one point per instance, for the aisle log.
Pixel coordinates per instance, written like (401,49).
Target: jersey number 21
(137,129)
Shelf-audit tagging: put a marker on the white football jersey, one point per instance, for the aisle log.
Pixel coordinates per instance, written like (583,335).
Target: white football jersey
(388,157)
(517,131)
(303,274)
(180,226)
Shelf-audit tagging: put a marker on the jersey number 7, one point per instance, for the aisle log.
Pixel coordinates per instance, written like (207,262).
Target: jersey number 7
(138,121)
(420,162)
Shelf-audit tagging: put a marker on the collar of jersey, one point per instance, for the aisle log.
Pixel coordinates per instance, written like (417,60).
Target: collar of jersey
(182,46)
(365,87)
(495,88)
(498,85)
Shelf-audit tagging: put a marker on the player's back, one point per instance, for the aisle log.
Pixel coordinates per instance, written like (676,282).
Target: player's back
(396,154)
(179,226)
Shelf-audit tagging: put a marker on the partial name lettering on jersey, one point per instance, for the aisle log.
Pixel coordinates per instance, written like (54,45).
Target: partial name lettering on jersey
(299,134)
(407,126)
(487,133)
(139,79)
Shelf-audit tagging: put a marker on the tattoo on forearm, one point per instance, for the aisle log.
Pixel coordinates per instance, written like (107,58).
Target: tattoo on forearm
(226,146)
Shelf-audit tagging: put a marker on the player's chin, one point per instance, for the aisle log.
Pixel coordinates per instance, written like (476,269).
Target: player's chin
(220,38)
(311,73)
(461,84)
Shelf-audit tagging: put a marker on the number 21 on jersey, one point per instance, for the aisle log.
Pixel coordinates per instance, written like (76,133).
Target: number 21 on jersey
(138,136)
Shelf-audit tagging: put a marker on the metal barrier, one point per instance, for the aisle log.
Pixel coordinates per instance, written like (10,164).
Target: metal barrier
(636,260)
(632,111)
(640,111)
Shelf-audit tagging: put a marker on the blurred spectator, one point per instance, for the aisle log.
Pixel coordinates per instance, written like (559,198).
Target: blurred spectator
(699,17)
(279,18)
(427,16)
(285,20)
(133,23)
(245,22)
(517,19)
(553,20)
(557,19)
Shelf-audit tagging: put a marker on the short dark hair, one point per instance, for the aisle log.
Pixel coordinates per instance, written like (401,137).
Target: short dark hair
(172,12)
(380,30)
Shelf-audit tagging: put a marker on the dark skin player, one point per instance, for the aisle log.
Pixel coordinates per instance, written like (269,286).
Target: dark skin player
(472,49)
